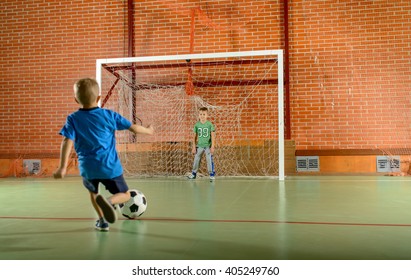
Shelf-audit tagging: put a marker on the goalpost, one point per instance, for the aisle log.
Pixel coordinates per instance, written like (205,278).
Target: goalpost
(243,92)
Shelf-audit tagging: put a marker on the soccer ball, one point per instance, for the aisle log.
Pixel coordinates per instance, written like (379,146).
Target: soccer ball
(135,206)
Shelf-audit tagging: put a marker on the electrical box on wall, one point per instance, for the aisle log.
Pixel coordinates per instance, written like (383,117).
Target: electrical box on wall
(388,164)
(308,163)
(32,166)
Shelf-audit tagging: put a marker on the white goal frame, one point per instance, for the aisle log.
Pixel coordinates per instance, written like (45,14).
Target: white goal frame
(280,65)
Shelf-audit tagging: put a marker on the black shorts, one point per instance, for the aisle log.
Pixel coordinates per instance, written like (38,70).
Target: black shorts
(114,185)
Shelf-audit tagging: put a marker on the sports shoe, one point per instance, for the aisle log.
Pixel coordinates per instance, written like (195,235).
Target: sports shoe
(108,211)
(102,225)
(212,176)
(191,176)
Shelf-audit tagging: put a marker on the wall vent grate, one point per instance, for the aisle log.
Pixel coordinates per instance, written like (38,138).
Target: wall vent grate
(308,163)
(388,164)
(32,166)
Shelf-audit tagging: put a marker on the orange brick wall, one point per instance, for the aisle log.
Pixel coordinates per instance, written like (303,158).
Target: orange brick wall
(46,46)
(350,74)
(163,27)
(349,62)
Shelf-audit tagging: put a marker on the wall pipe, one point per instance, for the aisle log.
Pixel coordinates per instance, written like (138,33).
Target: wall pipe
(287,117)
(131,53)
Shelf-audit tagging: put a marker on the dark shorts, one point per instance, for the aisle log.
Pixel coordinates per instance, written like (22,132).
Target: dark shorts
(115,185)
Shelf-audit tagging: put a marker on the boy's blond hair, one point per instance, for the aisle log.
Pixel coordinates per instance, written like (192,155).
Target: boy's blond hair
(86,91)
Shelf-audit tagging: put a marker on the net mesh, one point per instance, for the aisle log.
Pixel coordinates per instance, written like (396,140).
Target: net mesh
(241,97)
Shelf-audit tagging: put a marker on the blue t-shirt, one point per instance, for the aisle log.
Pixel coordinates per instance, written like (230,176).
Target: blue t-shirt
(93,133)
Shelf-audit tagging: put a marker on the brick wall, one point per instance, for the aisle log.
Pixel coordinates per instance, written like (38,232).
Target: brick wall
(163,27)
(350,61)
(45,47)
(350,74)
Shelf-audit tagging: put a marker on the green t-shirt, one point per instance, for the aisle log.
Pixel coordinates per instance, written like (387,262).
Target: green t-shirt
(203,131)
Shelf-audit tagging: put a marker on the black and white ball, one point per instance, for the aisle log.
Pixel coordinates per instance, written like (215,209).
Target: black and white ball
(135,206)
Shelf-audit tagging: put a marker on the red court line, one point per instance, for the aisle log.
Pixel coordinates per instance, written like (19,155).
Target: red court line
(166,219)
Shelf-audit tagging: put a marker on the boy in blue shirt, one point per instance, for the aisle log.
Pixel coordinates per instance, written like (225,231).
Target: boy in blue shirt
(91,130)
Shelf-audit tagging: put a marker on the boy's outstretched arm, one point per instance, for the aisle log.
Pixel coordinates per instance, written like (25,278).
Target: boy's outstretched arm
(138,129)
(194,145)
(212,148)
(65,150)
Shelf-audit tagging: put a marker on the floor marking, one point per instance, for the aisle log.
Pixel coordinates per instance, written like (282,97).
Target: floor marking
(165,219)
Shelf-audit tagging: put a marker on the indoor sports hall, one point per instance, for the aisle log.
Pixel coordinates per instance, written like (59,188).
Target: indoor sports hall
(310,102)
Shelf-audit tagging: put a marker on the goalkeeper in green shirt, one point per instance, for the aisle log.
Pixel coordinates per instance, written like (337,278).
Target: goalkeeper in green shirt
(204,142)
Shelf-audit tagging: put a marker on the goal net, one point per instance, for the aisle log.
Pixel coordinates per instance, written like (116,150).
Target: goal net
(243,92)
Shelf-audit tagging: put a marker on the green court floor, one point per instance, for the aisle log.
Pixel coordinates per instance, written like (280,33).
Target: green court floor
(319,218)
